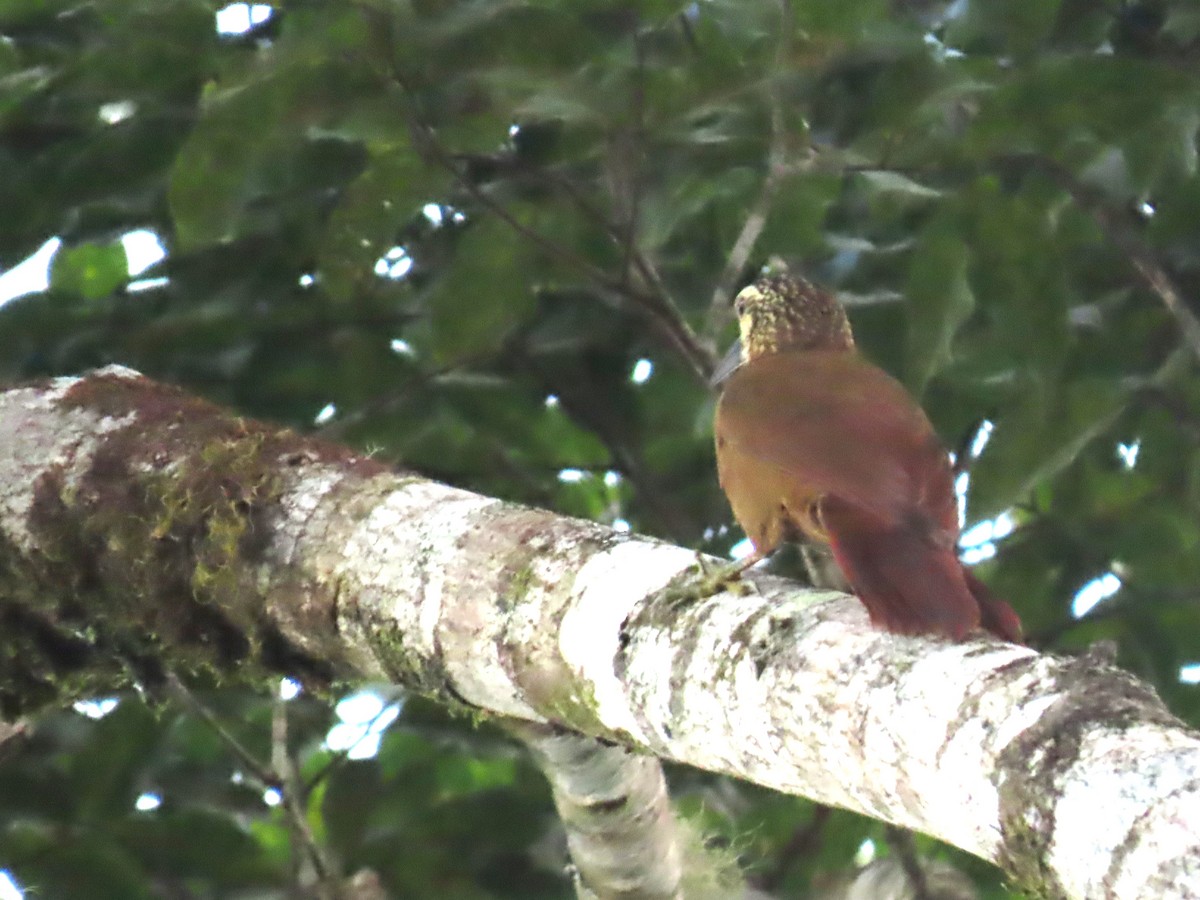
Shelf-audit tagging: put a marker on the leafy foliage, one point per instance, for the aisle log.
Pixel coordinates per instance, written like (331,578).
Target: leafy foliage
(459,225)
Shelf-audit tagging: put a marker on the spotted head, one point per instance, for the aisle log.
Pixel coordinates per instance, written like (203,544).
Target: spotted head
(786,312)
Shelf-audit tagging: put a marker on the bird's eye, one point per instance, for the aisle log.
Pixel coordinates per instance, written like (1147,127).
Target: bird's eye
(739,307)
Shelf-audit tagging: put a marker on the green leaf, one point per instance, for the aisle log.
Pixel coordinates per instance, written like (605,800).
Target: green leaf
(212,178)
(939,301)
(674,204)
(836,18)
(885,182)
(464,774)
(108,779)
(351,789)
(1017,272)
(1071,108)
(90,864)
(370,216)
(1183,23)
(1038,437)
(483,295)
(797,215)
(1015,27)
(194,843)
(260,121)
(91,271)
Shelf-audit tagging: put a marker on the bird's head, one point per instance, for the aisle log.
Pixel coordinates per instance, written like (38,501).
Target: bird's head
(786,312)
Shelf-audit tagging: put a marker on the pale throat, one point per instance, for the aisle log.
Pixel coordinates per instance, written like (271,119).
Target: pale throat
(766,330)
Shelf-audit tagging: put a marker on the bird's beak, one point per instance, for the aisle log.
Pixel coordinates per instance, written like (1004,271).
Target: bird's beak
(726,366)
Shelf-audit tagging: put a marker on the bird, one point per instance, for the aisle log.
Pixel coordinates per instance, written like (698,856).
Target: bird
(814,440)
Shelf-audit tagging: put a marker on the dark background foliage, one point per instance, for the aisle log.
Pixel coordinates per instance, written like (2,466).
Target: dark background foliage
(468,231)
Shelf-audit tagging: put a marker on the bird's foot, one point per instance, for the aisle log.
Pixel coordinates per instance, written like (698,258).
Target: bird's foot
(705,579)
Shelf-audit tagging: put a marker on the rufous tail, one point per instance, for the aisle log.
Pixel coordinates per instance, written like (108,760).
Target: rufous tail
(910,582)
(995,615)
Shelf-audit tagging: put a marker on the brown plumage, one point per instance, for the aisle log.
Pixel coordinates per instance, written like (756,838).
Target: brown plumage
(811,438)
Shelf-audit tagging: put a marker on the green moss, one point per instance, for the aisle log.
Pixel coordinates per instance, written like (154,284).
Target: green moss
(419,675)
(170,520)
(690,586)
(225,493)
(1024,859)
(574,705)
(710,868)
(153,553)
(517,587)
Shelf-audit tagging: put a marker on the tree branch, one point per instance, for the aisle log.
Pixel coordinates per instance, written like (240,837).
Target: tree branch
(305,846)
(803,843)
(249,552)
(615,807)
(905,848)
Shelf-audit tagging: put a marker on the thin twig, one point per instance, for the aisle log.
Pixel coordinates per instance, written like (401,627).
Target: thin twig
(578,402)
(656,302)
(13,731)
(645,268)
(777,167)
(324,868)
(638,104)
(391,401)
(425,139)
(804,842)
(659,298)
(281,775)
(653,295)
(261,771)
(426,144)
(905,848)
(1139,254)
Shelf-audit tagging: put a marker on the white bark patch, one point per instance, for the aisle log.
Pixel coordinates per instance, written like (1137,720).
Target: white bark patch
(399,556)
(1163,857)
(475,636)
(931,694)
(38,435)
(738,702)
(116,371)
(408,569)
(299,502)
(607,588)
(1127,785)
(797,694)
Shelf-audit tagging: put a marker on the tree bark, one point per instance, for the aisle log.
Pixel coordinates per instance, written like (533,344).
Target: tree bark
(138,523)
(616,811)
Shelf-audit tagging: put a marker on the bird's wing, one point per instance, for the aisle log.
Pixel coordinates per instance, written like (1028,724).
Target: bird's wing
(843,427)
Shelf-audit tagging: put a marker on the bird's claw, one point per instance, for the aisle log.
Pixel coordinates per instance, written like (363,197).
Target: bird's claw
(717,578)
(704,579)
